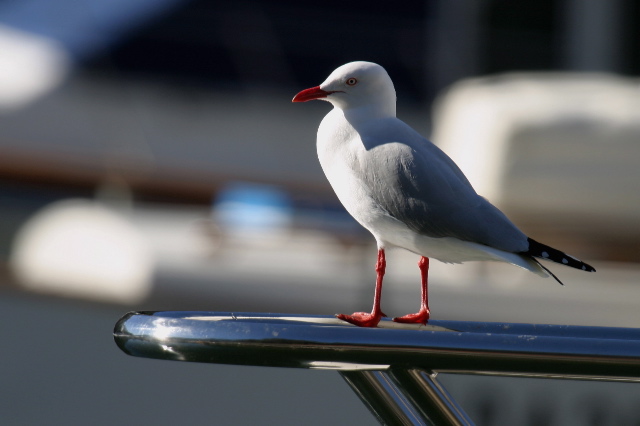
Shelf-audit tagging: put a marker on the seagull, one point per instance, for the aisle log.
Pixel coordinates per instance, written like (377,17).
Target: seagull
(406,191)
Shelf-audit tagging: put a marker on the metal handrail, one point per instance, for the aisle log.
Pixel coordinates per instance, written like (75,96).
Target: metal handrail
(393,368)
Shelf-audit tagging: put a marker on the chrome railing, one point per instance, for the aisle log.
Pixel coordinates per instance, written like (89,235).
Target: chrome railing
(392,368)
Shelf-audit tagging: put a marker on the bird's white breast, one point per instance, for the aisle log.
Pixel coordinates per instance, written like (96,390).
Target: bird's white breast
(341,152)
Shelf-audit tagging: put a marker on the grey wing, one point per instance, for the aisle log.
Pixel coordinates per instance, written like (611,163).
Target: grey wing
(422,187)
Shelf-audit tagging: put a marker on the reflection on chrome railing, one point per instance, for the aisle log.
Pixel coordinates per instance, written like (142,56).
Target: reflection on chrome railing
(392,368)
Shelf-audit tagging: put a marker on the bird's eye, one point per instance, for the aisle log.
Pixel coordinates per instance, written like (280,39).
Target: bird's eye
(351,81)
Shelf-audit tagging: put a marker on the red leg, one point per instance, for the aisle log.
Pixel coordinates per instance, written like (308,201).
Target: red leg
(363,319)
(423,315)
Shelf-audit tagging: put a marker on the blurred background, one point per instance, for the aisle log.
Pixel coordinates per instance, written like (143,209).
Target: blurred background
(151,158)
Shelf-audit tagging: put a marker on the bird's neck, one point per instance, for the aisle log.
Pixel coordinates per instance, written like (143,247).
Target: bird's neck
(361,114)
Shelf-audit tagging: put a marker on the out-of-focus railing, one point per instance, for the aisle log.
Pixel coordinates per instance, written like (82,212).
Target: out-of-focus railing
(393,368)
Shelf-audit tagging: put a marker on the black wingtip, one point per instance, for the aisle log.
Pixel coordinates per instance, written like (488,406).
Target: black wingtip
(543,251)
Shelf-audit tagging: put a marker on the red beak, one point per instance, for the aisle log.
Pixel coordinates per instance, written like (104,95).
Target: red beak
(310,94)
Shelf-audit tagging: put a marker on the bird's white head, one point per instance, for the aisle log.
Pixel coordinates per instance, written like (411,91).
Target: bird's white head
(356,85)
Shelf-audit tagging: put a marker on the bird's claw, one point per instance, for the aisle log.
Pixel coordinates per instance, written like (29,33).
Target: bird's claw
(418,318)
(362,319)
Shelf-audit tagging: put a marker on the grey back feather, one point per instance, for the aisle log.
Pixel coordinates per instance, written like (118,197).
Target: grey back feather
(418,184)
